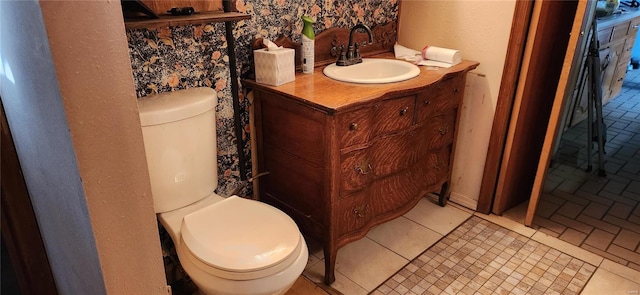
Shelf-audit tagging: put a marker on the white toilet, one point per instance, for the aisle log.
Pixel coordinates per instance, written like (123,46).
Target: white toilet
(226,245)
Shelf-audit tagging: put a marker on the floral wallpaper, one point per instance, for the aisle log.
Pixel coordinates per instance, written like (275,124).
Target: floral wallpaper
(179,57)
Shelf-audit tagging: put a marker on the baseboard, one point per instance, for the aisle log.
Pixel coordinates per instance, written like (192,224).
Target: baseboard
(464,201)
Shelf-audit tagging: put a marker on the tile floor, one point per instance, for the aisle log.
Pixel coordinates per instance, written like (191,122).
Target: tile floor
(414,254)
(483,257)
(599,214)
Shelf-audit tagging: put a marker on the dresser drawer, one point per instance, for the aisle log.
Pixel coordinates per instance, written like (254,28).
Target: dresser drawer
(620,31)
(353,212)
(359,126)
(385,155)
(440,97)
(604,35)
(437,166)
(441,129)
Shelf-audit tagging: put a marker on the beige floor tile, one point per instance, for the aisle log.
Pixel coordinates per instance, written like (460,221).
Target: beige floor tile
(342,283)
(461,207)
(621,270)
(605,282)
(367,263)
(303,286)
(508,223)
(404,236)
(517,213)
(439,219)
(312,260)
(565,247)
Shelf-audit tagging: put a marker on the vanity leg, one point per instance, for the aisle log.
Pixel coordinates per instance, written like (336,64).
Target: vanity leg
(444,194)
(329,265)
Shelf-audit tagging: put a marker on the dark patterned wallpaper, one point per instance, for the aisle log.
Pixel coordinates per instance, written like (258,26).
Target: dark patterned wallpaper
(173,58)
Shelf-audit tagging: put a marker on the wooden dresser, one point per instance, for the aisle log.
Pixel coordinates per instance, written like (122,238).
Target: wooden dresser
(616,35)
(344,157)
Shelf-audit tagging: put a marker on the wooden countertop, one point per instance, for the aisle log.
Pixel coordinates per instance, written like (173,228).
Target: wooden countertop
(331,95)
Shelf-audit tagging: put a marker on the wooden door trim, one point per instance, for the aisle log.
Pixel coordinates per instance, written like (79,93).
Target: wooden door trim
(506,96)
(542,66)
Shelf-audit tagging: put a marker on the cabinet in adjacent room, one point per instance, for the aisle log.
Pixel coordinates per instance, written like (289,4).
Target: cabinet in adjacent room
(616,36)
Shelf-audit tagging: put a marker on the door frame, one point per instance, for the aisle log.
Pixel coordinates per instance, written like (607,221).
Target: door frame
(506,95)
(530,31)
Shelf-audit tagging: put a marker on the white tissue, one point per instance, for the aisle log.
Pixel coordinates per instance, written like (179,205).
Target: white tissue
(430,56)
(270,45)
(407,54)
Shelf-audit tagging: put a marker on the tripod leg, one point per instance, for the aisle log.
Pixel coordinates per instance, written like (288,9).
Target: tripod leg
(590,115)
(601,134)
(597,99)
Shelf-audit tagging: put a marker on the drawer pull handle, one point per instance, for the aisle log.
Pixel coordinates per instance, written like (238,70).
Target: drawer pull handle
(404,111)
(442,131)
(363,168)
(455,90)
(427,102)
(361,211)
(436,167)
(353,126)
(636,26)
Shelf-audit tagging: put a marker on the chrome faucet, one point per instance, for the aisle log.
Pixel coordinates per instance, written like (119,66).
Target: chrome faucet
(352,56)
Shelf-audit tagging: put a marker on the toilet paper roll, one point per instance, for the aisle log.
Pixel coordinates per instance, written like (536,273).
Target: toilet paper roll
(445,55)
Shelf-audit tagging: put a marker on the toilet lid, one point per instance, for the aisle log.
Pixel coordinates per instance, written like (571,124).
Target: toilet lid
(240,235)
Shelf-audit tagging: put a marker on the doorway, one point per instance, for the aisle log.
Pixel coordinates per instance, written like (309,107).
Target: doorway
(600,214)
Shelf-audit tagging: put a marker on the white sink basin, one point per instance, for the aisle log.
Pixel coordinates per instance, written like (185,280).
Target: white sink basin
(373,71)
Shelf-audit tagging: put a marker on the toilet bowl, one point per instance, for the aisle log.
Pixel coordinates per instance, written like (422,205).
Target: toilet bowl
(226,245)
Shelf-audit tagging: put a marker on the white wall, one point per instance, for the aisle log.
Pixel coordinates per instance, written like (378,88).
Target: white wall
(480,30)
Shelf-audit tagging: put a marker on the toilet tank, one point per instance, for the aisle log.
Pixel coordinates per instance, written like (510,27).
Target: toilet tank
(179,132)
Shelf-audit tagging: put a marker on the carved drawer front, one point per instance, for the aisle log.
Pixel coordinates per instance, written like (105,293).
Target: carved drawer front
(441,130)
(353,212)
(359,126)
(437,165)
(444,95)
(385,155)
(393,192)
(355,127)
(394,114)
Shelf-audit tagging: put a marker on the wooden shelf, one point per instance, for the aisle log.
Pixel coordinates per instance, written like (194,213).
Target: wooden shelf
(198,18)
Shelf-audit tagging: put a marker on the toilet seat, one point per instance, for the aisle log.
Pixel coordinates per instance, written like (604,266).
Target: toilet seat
(262,241)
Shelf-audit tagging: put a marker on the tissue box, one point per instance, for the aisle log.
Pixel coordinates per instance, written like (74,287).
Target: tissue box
(275,67)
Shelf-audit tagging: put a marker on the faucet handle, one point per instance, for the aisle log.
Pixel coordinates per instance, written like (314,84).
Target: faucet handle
(342,60)
(356,55)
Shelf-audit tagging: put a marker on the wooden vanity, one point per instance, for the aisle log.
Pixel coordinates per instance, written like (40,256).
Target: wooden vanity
(343,157)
